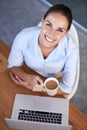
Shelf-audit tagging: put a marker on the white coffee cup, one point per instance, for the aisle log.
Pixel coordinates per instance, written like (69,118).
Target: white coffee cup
(51,86)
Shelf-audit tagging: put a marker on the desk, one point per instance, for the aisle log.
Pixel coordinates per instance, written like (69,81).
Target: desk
(8,89)
(4,51)
(7,93)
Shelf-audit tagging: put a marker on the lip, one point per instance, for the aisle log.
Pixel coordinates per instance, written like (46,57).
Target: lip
(49,39)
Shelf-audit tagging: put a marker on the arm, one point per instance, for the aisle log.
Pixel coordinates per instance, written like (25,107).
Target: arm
(17,58)
(69,71)
(60,92)
(33,82)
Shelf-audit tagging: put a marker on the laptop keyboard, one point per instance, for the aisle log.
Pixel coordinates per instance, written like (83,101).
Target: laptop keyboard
(40,116)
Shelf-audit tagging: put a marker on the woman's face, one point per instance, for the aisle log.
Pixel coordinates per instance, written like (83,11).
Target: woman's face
(54,27)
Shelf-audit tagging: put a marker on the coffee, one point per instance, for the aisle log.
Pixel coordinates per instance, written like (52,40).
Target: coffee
(51,84)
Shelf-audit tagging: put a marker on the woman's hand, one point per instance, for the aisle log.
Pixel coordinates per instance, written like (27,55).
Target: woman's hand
(32,82)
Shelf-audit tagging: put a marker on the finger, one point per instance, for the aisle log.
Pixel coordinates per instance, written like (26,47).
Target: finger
(13,77)
(39,80)
(24,83)
(18,81)
(38,88)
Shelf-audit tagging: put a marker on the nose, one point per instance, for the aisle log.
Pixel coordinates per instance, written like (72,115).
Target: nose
(52,33)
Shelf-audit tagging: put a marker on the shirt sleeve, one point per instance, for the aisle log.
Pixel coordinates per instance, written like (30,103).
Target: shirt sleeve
(69,71)
(16,53)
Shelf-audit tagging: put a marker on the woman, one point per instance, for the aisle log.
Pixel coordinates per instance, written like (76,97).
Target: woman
(48,50)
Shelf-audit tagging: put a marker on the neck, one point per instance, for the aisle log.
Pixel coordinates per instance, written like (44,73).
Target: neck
(46,51)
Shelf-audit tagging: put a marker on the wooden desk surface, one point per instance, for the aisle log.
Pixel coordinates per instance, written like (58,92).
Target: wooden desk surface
(4,51)
(8,89)
(7,93)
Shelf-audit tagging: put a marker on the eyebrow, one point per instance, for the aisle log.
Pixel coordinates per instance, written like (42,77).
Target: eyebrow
(62,28)
(58,27)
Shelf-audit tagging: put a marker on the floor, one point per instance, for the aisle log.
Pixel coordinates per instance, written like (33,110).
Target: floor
(19,14)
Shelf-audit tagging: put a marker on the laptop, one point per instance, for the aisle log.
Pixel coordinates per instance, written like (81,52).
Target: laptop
(31,112)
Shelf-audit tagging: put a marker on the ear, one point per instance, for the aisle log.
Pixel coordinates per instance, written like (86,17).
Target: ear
(67,32)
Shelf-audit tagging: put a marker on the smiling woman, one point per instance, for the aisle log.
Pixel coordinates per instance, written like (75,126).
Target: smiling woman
(48,50)
(54,27)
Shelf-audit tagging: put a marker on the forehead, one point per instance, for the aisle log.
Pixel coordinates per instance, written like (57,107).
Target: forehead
(57,19)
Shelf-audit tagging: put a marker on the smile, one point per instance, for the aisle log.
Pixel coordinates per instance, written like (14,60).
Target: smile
(48,39)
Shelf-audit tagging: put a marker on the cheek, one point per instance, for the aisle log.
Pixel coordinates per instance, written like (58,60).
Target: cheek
(60,36)
(43,32)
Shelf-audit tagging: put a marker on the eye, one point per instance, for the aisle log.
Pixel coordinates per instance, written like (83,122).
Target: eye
(60,30)
(48,24)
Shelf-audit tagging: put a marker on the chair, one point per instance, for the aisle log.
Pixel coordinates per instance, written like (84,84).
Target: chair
(73,34)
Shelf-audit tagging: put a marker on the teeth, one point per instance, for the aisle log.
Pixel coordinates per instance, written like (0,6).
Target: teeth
(49,40)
